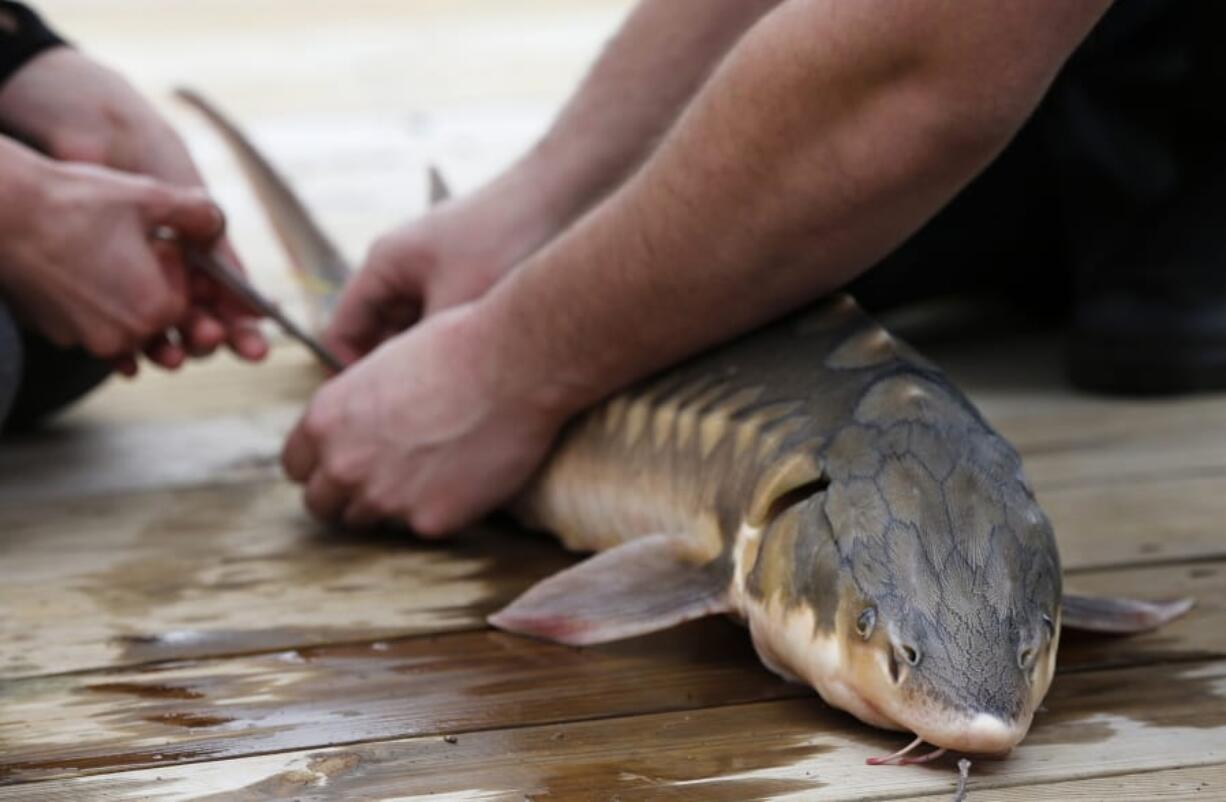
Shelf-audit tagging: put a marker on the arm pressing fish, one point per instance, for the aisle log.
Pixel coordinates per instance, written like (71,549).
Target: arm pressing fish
(819,480)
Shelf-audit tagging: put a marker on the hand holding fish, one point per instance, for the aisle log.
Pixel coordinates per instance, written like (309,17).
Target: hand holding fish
(451,255)
(77,110)
(433,429)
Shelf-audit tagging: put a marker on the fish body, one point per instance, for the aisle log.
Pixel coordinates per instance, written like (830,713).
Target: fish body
(818,473)
(819,480)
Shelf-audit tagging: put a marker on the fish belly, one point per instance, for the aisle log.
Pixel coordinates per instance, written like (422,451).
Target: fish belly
(620,473)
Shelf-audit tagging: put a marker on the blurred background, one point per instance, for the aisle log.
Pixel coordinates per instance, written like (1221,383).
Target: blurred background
(350,100)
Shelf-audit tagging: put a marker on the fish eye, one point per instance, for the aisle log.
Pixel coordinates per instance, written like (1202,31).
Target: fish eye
(866,622)
(1049,625)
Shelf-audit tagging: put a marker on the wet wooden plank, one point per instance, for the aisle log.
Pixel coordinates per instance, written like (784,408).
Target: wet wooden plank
(127,578)
(1156,519)
(1173,785)
(1184,455)
(217,422)
(219,386)
(215,709)
(1101,723)
(338,694)
(1068,438)
(1198,634)
(77,461)
(123,580)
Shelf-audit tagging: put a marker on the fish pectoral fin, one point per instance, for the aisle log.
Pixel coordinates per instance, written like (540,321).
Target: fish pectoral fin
(642,586)
(1119,615)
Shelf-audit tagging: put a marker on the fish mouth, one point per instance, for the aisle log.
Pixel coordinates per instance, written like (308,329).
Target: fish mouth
(970,731)
(974,733)
(980,734)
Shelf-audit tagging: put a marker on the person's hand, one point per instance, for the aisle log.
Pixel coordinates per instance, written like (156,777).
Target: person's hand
(449,256)
(74,109)
(79,264)
(433,429)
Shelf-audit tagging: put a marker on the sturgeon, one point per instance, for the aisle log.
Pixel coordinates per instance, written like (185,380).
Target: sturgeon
(822,482)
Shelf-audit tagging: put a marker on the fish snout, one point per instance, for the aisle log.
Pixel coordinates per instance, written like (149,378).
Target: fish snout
(993,714)
(979,734)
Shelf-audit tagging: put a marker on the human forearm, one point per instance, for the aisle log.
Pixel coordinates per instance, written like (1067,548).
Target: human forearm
(825,139)
(633,93)
(76,110)
(457,251)
(76,260)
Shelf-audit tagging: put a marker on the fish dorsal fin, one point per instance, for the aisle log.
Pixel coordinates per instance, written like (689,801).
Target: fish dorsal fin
(1119,616)
(642,586)
(439,191)
(321,268)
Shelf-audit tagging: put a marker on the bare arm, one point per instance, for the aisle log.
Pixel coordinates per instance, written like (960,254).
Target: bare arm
(75,109)
(631,96)
(76,260)
(648,72)
(832,132)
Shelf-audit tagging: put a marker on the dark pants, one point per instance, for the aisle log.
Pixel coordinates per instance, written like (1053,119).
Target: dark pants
(38,379)
(1118,179)
(12,361)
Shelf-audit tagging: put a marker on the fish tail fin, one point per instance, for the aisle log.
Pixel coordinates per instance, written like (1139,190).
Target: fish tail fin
(320,268)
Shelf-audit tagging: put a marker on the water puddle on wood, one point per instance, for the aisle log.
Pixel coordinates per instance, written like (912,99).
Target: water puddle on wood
(145,691)
(187,644)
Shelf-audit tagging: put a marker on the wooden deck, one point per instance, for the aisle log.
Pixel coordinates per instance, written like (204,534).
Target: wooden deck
(173,627)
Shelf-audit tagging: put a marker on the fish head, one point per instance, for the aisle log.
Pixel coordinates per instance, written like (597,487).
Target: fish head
(920,590)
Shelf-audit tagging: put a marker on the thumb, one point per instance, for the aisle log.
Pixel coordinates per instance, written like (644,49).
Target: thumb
(367,314)
(189,211)
(354,329)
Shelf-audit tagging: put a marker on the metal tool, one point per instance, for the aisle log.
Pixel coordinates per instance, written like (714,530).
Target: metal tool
(230,278)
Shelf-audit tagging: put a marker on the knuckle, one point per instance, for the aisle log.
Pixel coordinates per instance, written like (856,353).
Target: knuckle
(148,298)
(108,343)
(320,419)
(431,523)
(159,311)
(156,190)
(382,502)
(385,251)
(154,194)
(343,468)
(401,252)
(373,504)
(70,144)
(380,251)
